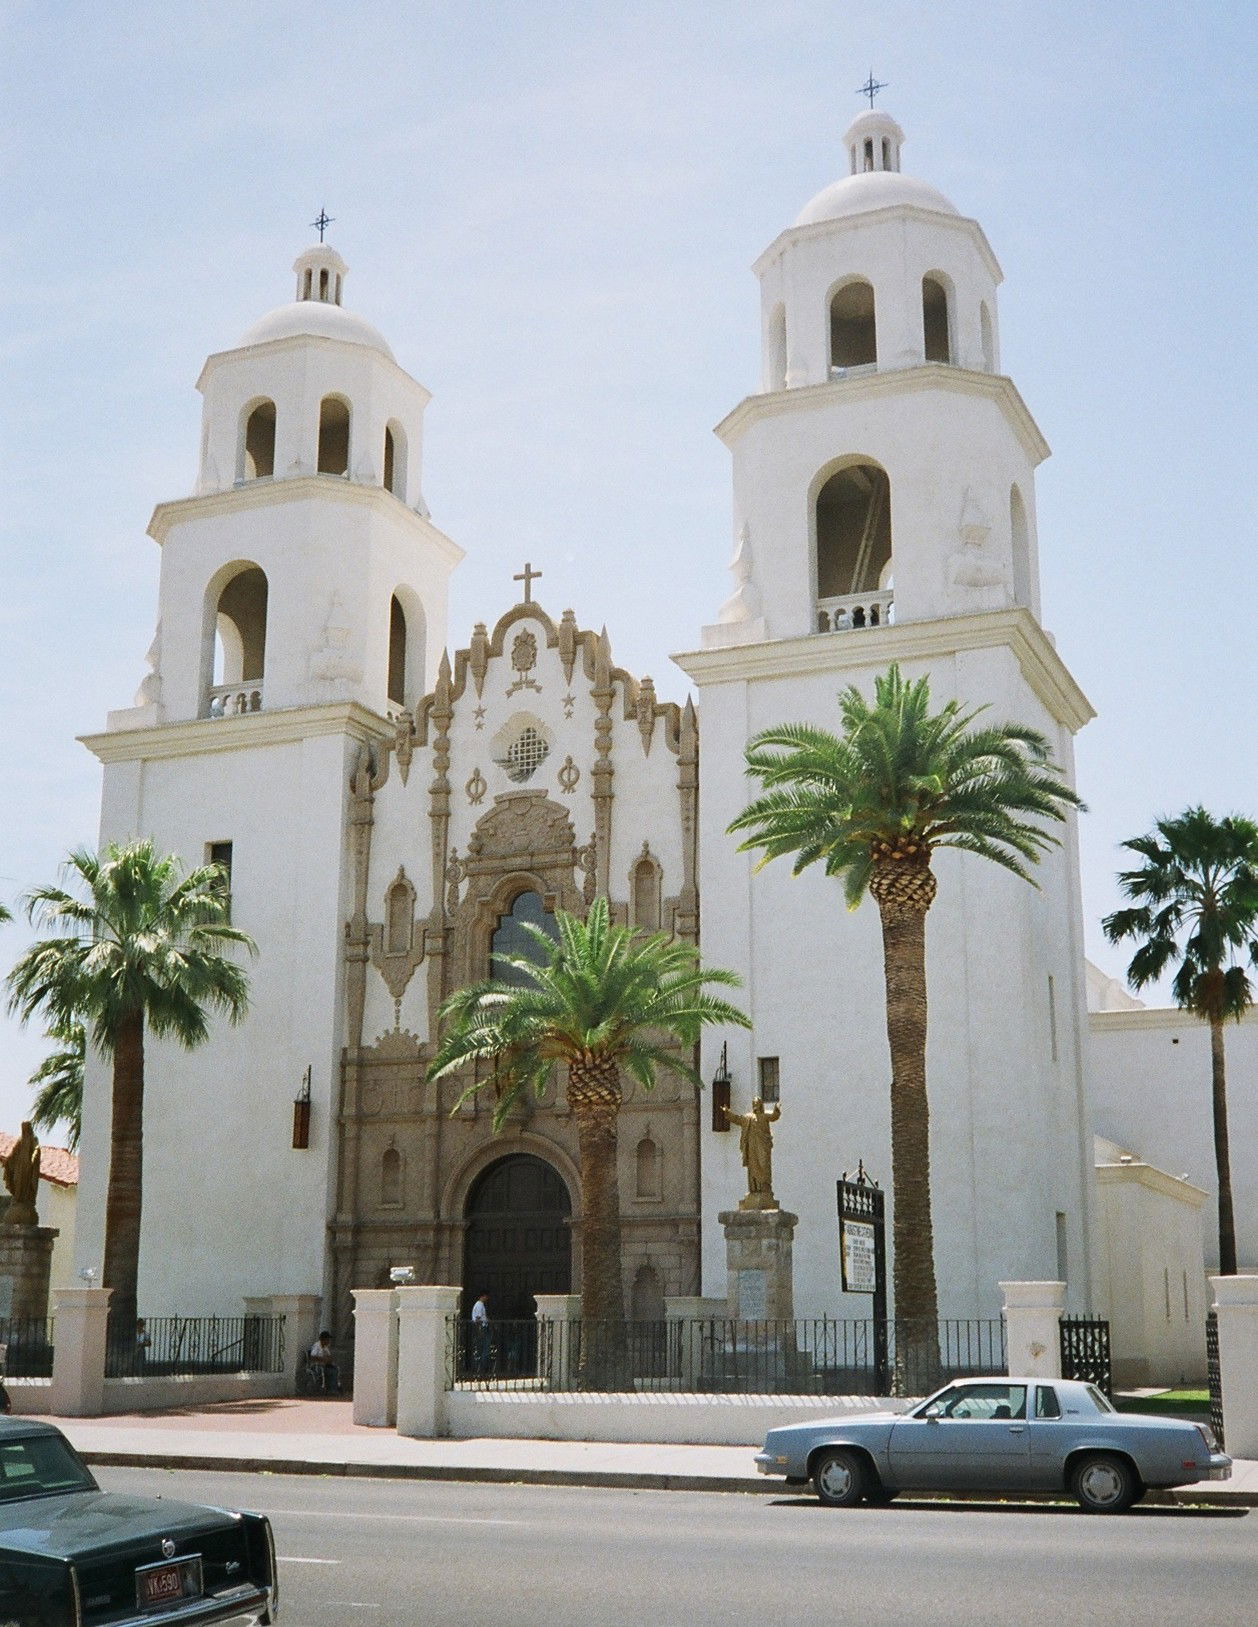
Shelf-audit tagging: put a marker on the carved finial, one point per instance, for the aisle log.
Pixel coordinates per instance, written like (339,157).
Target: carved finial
(646,713)
(744,603)
(603,661)
(478,655)
(443,680)
(568,644)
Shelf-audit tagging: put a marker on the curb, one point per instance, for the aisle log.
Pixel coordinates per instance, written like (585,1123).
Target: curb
(594,1478)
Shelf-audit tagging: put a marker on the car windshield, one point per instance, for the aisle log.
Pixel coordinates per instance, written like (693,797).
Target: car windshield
(38,1466)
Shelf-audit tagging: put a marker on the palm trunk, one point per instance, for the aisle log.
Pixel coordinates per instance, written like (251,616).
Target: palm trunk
(126,1156)
(594,1095)
(1222,1152)
(904,891)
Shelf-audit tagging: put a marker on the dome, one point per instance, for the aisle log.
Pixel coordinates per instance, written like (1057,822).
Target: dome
(319,318)
(874,189)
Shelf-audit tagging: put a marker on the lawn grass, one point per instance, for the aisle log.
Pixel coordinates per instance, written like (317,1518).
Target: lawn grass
(1169,1403)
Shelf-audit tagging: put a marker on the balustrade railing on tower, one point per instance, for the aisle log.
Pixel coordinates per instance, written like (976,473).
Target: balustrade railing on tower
(234,700)
(845,611)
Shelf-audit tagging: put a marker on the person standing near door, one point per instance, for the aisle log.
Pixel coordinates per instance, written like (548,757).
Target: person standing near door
(480,1334)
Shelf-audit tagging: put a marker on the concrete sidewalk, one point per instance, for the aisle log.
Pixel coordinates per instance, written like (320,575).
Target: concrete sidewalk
(320,1437)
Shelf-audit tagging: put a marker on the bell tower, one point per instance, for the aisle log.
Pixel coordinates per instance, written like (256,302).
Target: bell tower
(885,470)
(305,568)
(301,615)
(884,512)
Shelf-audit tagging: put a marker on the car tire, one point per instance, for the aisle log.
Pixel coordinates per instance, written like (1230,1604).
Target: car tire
(880,1496)
(839,1478)
(1104,1484)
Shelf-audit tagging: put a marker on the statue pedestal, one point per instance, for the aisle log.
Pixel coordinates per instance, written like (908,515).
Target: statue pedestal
(25,1266)
(758,1261)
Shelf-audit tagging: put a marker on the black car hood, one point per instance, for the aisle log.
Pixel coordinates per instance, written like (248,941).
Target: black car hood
(94,1524)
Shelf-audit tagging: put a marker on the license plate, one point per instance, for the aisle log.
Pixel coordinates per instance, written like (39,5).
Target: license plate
(169,1582)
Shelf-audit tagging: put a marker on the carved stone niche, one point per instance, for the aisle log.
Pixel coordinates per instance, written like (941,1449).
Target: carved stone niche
(397,943)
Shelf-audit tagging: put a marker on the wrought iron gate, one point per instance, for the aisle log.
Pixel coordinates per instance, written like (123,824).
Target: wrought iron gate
(1214,1375)
(1085,1352)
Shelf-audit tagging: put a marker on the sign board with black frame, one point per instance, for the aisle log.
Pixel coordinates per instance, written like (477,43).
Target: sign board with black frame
(863,1257)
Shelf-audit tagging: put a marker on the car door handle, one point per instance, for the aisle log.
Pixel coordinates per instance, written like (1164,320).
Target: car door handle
(1017,1429)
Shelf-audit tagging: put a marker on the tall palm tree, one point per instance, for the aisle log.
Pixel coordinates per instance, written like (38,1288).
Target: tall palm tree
(603,1000)
(871,805)
(1197,903)
(136,948)
(58,1081)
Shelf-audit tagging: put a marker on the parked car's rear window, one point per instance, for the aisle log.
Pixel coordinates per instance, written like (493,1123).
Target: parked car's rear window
(38,1466)
(1102,1400)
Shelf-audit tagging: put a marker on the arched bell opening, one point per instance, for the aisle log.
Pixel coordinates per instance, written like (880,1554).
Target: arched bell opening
(936,318)
(853,548)
(853,330)
(395,459)
(256,454)
(334,420)
(236,622)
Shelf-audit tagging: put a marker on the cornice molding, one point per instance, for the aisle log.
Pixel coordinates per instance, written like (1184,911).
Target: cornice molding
(199,736)
(1157,1180)
(892,211)
(856,650)
(996,387)
(303,341)
(1158,1018)
(268,493)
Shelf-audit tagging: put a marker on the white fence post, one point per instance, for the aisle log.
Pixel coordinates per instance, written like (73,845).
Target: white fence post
(1033,1312)
(375,1356)
(1236,1302)
(80,1332)
(421,1359)
(557,1318)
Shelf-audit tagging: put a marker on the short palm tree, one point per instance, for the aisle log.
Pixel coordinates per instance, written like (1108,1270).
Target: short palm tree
(602,1000)
(58,1081)
(136,948)
(1196,904)
(871,805)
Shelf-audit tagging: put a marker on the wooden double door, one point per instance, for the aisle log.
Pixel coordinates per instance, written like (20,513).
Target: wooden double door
(518,1241)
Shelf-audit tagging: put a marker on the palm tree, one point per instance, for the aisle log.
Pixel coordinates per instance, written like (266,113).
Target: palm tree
(603,1000)
(1197,903)
(58,1081)
(136,948)
(871,805)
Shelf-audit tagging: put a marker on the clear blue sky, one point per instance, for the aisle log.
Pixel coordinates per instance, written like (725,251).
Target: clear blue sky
(551,210)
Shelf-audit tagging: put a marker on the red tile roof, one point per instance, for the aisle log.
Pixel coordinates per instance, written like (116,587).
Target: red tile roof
(55,1163)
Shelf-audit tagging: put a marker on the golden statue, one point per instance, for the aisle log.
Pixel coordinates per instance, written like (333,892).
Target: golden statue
(755,1147)
(21,1179)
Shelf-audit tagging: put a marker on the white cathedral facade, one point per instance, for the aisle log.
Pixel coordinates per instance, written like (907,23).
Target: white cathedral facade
(391,812)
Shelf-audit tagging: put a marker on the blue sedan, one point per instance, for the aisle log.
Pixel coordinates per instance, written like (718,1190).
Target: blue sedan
(997,1435)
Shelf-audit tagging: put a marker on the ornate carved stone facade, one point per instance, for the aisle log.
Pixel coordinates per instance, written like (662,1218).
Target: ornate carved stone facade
(534,767)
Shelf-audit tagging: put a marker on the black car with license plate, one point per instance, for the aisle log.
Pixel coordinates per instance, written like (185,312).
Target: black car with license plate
(72,1555)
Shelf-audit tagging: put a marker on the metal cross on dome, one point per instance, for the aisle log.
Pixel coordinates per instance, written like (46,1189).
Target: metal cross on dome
(870,88)
(324,219)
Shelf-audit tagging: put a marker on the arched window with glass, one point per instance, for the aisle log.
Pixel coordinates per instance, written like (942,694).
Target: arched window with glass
(511,937)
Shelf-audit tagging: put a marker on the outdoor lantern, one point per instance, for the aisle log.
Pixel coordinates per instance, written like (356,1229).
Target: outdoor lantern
(301,1114)
(720,1092)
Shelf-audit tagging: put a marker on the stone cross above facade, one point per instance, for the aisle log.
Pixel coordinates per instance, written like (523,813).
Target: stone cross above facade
(528,576)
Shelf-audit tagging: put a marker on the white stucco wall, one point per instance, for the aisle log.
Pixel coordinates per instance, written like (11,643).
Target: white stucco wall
(1150,1273)
(230,1208)
(1010,1145)
(1150,1091)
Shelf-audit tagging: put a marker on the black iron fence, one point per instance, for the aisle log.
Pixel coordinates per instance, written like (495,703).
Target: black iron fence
(1085,1351)
(1214,1374)
(183,1346)
(26,1347)
(719,1355)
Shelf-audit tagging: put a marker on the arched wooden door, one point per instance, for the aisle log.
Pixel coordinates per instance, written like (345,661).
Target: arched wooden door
(517,1242)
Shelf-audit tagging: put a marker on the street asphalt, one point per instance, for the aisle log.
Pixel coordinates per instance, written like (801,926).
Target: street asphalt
(393,1553)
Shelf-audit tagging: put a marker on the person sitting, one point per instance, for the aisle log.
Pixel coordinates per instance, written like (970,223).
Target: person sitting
(322,1364)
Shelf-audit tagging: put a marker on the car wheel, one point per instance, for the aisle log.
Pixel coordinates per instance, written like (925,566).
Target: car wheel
(1103,1484)
(838,1478)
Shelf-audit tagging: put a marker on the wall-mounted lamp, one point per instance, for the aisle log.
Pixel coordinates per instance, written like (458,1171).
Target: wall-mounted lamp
(401,1276)
(720,1092)
(88,1275)
(301,1114)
